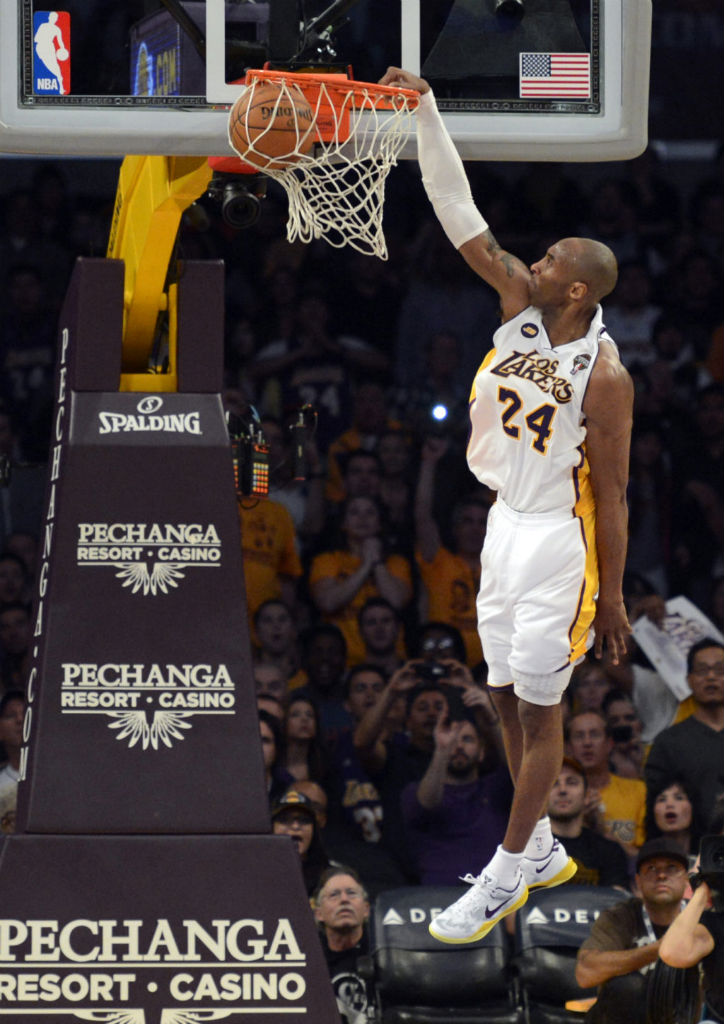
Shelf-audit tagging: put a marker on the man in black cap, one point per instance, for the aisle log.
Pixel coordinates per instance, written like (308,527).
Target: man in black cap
(624,941)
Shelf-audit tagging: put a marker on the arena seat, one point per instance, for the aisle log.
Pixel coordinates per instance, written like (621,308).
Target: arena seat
(422,981)
(549,931)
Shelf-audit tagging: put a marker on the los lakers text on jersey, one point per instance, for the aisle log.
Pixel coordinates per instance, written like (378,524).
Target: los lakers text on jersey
(539,369)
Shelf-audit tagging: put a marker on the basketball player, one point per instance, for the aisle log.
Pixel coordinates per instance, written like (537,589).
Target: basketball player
(551,410)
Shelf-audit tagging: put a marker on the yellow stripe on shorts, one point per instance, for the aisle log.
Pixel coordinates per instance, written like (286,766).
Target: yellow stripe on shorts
(578,632)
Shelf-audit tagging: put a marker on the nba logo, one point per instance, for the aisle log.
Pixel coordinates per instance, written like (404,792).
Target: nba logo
(51,53)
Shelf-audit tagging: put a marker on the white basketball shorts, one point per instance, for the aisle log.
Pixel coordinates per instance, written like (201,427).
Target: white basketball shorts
(539,578)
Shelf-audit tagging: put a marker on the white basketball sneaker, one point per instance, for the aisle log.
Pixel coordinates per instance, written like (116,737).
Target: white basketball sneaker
(479,909)
(555,868)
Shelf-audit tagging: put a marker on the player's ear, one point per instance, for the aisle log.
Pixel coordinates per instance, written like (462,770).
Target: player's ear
(578,291)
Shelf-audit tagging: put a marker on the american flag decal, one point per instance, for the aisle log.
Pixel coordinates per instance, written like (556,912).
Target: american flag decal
(555,74)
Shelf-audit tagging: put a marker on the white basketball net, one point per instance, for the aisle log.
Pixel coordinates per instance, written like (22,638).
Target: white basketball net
(336,191)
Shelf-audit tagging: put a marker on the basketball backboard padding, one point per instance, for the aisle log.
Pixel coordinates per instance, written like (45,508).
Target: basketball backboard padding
(613,127)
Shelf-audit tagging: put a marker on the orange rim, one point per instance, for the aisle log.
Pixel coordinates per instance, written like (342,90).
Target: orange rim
(332,96)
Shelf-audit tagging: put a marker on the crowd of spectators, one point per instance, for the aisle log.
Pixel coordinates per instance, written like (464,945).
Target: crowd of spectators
(367,663)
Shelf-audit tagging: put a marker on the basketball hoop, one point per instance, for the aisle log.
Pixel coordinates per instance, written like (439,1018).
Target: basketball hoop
(336,188)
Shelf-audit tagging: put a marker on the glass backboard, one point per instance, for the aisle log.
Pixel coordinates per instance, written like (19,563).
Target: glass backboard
(528,80)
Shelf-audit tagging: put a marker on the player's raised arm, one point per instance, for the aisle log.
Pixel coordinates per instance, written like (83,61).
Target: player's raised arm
(448,189)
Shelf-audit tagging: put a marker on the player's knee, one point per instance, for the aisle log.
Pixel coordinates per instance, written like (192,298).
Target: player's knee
(545,690)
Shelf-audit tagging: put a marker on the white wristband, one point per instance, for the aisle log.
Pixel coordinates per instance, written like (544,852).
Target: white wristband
(444,178)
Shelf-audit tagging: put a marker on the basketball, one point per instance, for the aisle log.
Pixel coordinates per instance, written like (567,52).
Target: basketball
(61,54)
(276,120)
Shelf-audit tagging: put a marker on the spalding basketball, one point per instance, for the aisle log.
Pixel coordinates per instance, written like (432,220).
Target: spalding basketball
(271,125)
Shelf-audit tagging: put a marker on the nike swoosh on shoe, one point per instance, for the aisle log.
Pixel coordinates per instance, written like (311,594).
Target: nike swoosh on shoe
(544,867)
(488,919)
(492,911)
(564,875)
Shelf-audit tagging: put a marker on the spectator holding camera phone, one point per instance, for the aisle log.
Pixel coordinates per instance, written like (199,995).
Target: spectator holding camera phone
(625,729)
(455,806)
(439,653)
(394,761)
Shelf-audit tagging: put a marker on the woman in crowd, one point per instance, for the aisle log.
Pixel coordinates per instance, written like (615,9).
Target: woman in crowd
(304,756)
(277,778)
(341,580)
(674,815)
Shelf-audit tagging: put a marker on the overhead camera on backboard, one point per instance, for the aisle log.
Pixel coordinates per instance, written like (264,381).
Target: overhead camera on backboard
(240,196)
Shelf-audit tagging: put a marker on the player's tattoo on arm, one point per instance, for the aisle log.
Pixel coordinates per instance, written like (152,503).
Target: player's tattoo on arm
(493,244)
(498,253)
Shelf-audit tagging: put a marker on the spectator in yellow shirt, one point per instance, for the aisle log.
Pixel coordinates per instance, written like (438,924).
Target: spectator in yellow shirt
(343,579)
(271,563)
(616,806)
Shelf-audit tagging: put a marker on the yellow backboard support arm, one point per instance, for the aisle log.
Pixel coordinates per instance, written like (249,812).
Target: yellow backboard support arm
(152,194)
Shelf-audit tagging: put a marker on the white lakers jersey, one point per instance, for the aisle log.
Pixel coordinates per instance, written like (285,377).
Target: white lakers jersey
(528,431)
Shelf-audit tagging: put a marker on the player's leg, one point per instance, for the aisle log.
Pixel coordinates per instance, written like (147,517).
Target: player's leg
(542,756)
(506,704)
(543,565)
(529,847)
(510,710)
(486,901)
(494,608)
(539,868)
(544,861)
(551,632)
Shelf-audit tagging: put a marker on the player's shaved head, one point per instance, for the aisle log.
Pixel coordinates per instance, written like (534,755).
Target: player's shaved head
(593,263)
